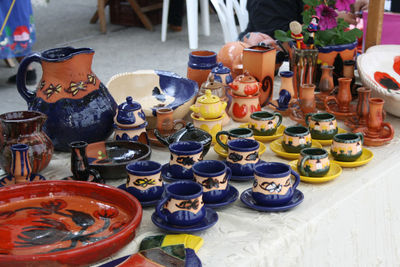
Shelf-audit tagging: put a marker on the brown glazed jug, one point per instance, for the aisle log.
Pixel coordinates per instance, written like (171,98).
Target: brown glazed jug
(25,127)
(78,105)
(326,82)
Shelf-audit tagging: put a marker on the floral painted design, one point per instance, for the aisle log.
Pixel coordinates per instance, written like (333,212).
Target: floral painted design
(52,89)
(91,78)
(144,182)
(75,88)
(41,85)
(189,204)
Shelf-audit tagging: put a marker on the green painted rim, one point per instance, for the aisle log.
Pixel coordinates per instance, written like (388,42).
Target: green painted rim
(323,135)
(296,131)
(262,116)
(347,138)
(325,116)
(241,132)
(314,153)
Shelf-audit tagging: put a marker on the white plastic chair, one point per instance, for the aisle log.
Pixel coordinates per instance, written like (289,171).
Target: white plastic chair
(192,18)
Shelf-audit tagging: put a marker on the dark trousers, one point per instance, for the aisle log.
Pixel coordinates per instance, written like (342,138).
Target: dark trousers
(176,10)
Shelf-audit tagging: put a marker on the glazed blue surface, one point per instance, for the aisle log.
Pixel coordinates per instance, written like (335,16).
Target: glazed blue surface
(247,198)
(202,62)
(143,201)
(243,145)
(9,178)
(242,172)
(220,69)
(167,175)
(63,53)
(338,48)
(143,168)
(186,148)
(272,170)
(126,109)
(230,197)
(284,99)
(210,218)
(181,89)
(286,74)
(209,168)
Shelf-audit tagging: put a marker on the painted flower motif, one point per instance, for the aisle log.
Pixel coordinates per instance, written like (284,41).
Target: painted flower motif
(41,85)
(91,78)
(54,205)
(106,212)
(6,214)
(327,17)
(52,89)
(343,5)
(101,155)
(74,88)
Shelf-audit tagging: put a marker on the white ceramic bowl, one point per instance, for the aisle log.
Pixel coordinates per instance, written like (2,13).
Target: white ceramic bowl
(154,89)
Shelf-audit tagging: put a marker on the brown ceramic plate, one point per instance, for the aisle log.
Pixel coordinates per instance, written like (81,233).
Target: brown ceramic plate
(111,157)
(64,223)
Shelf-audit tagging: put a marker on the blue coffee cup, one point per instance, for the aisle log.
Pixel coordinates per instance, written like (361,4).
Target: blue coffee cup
(214,176)
(273,183)
(144,180)
(183,204)
(242,156)
(183,155)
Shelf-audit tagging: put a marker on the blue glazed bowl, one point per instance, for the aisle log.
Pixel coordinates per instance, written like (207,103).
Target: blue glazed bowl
(146,178)
(214,176)
(183,155)
(188,196)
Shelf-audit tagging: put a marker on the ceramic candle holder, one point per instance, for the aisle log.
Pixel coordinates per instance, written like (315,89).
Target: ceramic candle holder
(242,156)
(322,126)
(313,162)
(214,176)
(265,123)
(183,155)
(295,138)
(233,134)
(144,180)
(183,204)
(347,146)
(273,183)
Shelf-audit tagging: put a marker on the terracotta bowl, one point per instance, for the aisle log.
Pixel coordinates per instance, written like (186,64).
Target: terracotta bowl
(111,157)
(154,89)
(64,223)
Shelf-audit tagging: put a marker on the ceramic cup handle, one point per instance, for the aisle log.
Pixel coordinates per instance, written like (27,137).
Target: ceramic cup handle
(27,94)
(158,209)
(301,165)
(361,135)
(308,115)
(297,179)
(217,137)
(391,130)
(327,100)
(279,120)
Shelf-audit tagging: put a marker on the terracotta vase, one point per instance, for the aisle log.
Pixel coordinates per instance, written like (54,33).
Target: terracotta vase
(326,84)
(287,82)
(200,65)
(78,105)
(21,168)
(165,122)
(375,117)
(259,61)
(362,110)
(80,165)
(25,127)
(307,99)
(342,99)
(243,106)
(348,72)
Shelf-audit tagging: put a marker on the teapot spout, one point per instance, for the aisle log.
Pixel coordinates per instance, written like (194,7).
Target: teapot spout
(161,138)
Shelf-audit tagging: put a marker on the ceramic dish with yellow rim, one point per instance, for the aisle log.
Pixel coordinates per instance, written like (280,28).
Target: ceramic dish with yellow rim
(224,153)
(266,138)
(334,171)
(276,147)
(329,141)
(366,156)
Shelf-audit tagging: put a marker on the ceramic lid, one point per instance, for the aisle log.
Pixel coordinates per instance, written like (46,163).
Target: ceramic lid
(129,105)
(245,78)
(221,69)
(211,84)
(191,133)
(208,98)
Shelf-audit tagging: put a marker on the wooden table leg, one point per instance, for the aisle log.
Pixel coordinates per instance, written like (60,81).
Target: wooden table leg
(374,23)
(101,14)
(143,18)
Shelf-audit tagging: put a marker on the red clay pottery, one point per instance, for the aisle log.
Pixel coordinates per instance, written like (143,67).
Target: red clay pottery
(245,85)
(200,65)
(165,124)
(243,106)
(231,55)
(341,106)
(65,223)
(78,105)
(362,109)
(306,104)
(377,132)
(25,127)
(286,94)
(259,61)
(326,85)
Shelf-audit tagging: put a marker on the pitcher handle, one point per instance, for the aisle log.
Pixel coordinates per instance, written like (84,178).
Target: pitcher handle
(361,135)
(27,94)
(158,209)
(391,130)
(97,177)
(326,101)
(308,115)
(218,139)
(297,178)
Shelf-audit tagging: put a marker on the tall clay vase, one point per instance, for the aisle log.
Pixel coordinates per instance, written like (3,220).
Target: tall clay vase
(25,127)
(78,105)
(287,82)
(344,95)
(80,165)
(259,61)
(362,110)
(20,166)
(307,98)
(200,64)
(375,118)
(326,82)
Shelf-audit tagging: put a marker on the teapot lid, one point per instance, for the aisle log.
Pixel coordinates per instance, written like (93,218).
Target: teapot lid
(221,69)
(191,133)
(211,84)
(208,98)
(129,105)
(245,78)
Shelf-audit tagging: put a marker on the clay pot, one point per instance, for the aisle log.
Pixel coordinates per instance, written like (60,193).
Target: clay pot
(245,85)
(243,106)
(362,110)
(200,65)
(231,55)
(326,84)
(307,99)
(165,122)
(25,127)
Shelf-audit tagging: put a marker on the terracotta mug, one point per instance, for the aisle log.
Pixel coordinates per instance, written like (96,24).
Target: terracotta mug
(243,106)
(183,204)
(165,122)
(295,138)
(233,134)
(265,123)
(322,126)
(273,183)
(313,162)
(347,146)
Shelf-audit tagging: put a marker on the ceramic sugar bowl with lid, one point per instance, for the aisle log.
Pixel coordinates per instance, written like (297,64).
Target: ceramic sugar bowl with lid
(221,74)
(208,106)
(129,114)
(245,85)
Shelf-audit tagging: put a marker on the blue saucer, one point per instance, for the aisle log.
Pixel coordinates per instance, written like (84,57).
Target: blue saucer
(241,177)
(9,179)
(167,176)
(232,195)
(143,203)
(209,220)
(247,198)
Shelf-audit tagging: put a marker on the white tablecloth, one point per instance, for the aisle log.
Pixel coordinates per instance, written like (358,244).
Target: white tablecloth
(350,221)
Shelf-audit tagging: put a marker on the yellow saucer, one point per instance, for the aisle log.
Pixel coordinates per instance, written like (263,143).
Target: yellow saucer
(334,171)
(366,156)
(329,142)
(224,153)
(266,138)
(276,146)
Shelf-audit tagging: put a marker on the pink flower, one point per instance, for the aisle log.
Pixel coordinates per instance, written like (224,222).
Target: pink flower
(343,5)
(327,17)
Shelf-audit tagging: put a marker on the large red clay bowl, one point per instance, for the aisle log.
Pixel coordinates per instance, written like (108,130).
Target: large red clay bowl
(64,223)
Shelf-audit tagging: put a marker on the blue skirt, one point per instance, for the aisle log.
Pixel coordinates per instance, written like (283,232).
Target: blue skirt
(19,33)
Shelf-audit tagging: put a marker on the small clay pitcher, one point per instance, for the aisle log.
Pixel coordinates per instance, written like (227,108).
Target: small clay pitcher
(165,122)
(80,166)
(307,99)
(343,97)
(287,82)
(326,84)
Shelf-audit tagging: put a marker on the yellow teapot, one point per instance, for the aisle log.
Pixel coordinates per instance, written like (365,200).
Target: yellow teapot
(208,106)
